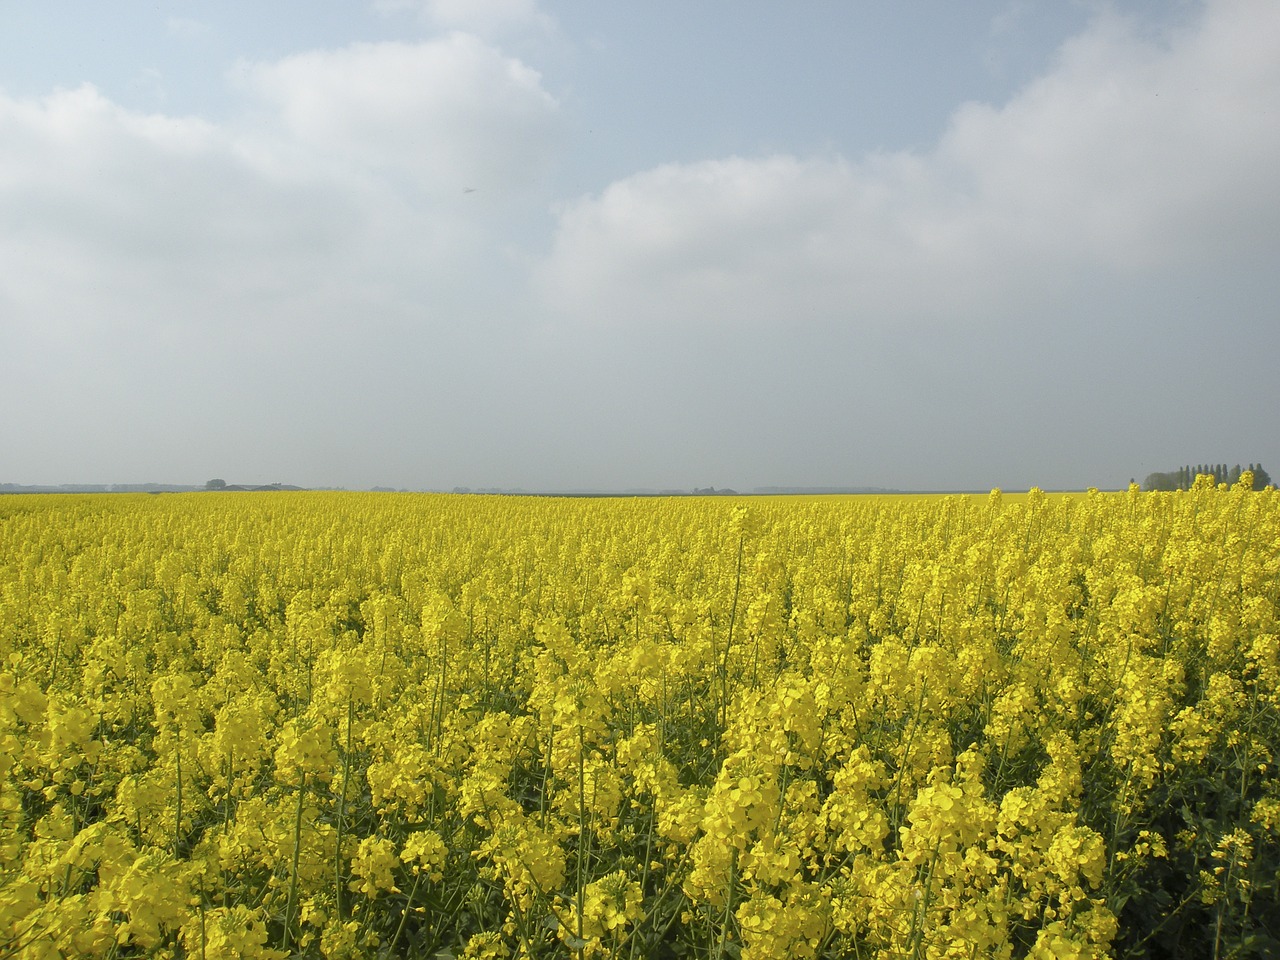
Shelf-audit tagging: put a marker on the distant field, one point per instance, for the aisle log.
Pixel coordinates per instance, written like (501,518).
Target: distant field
(345,725)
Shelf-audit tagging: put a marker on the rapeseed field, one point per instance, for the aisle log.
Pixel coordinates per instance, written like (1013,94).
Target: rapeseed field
(364,725)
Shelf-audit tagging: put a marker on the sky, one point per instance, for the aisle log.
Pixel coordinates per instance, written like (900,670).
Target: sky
(569,245)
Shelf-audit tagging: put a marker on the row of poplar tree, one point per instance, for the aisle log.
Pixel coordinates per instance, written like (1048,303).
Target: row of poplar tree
(1184,477)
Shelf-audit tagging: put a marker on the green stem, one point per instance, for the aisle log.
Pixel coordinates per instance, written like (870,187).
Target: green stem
(644,872)
(177,826)
(293,870)
(404,916)
(342,810)
(582,819)
(728,906)
(728,644)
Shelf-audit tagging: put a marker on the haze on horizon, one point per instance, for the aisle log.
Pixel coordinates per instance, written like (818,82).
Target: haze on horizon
(568,245)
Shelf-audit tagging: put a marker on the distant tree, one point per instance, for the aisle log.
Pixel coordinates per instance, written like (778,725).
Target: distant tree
(216,485)
(1184,477)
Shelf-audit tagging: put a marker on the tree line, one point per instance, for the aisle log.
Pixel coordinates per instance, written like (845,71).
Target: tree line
(1185,476)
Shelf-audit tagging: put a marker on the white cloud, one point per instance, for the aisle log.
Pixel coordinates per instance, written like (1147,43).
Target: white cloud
(1133,155)
(109,213)
(348,168)
(1133,152)
(446,114)
(725,241)
(249,278)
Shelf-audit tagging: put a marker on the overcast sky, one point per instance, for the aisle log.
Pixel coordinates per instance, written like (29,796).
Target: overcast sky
(571,244)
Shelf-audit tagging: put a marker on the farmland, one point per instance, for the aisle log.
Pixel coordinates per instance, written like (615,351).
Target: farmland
(348,725)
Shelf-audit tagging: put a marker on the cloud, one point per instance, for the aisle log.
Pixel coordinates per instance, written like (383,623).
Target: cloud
(1134,156)
(268,281)
(106,210)
(444,114)
(345,166)
(723,240)
(1133,152)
